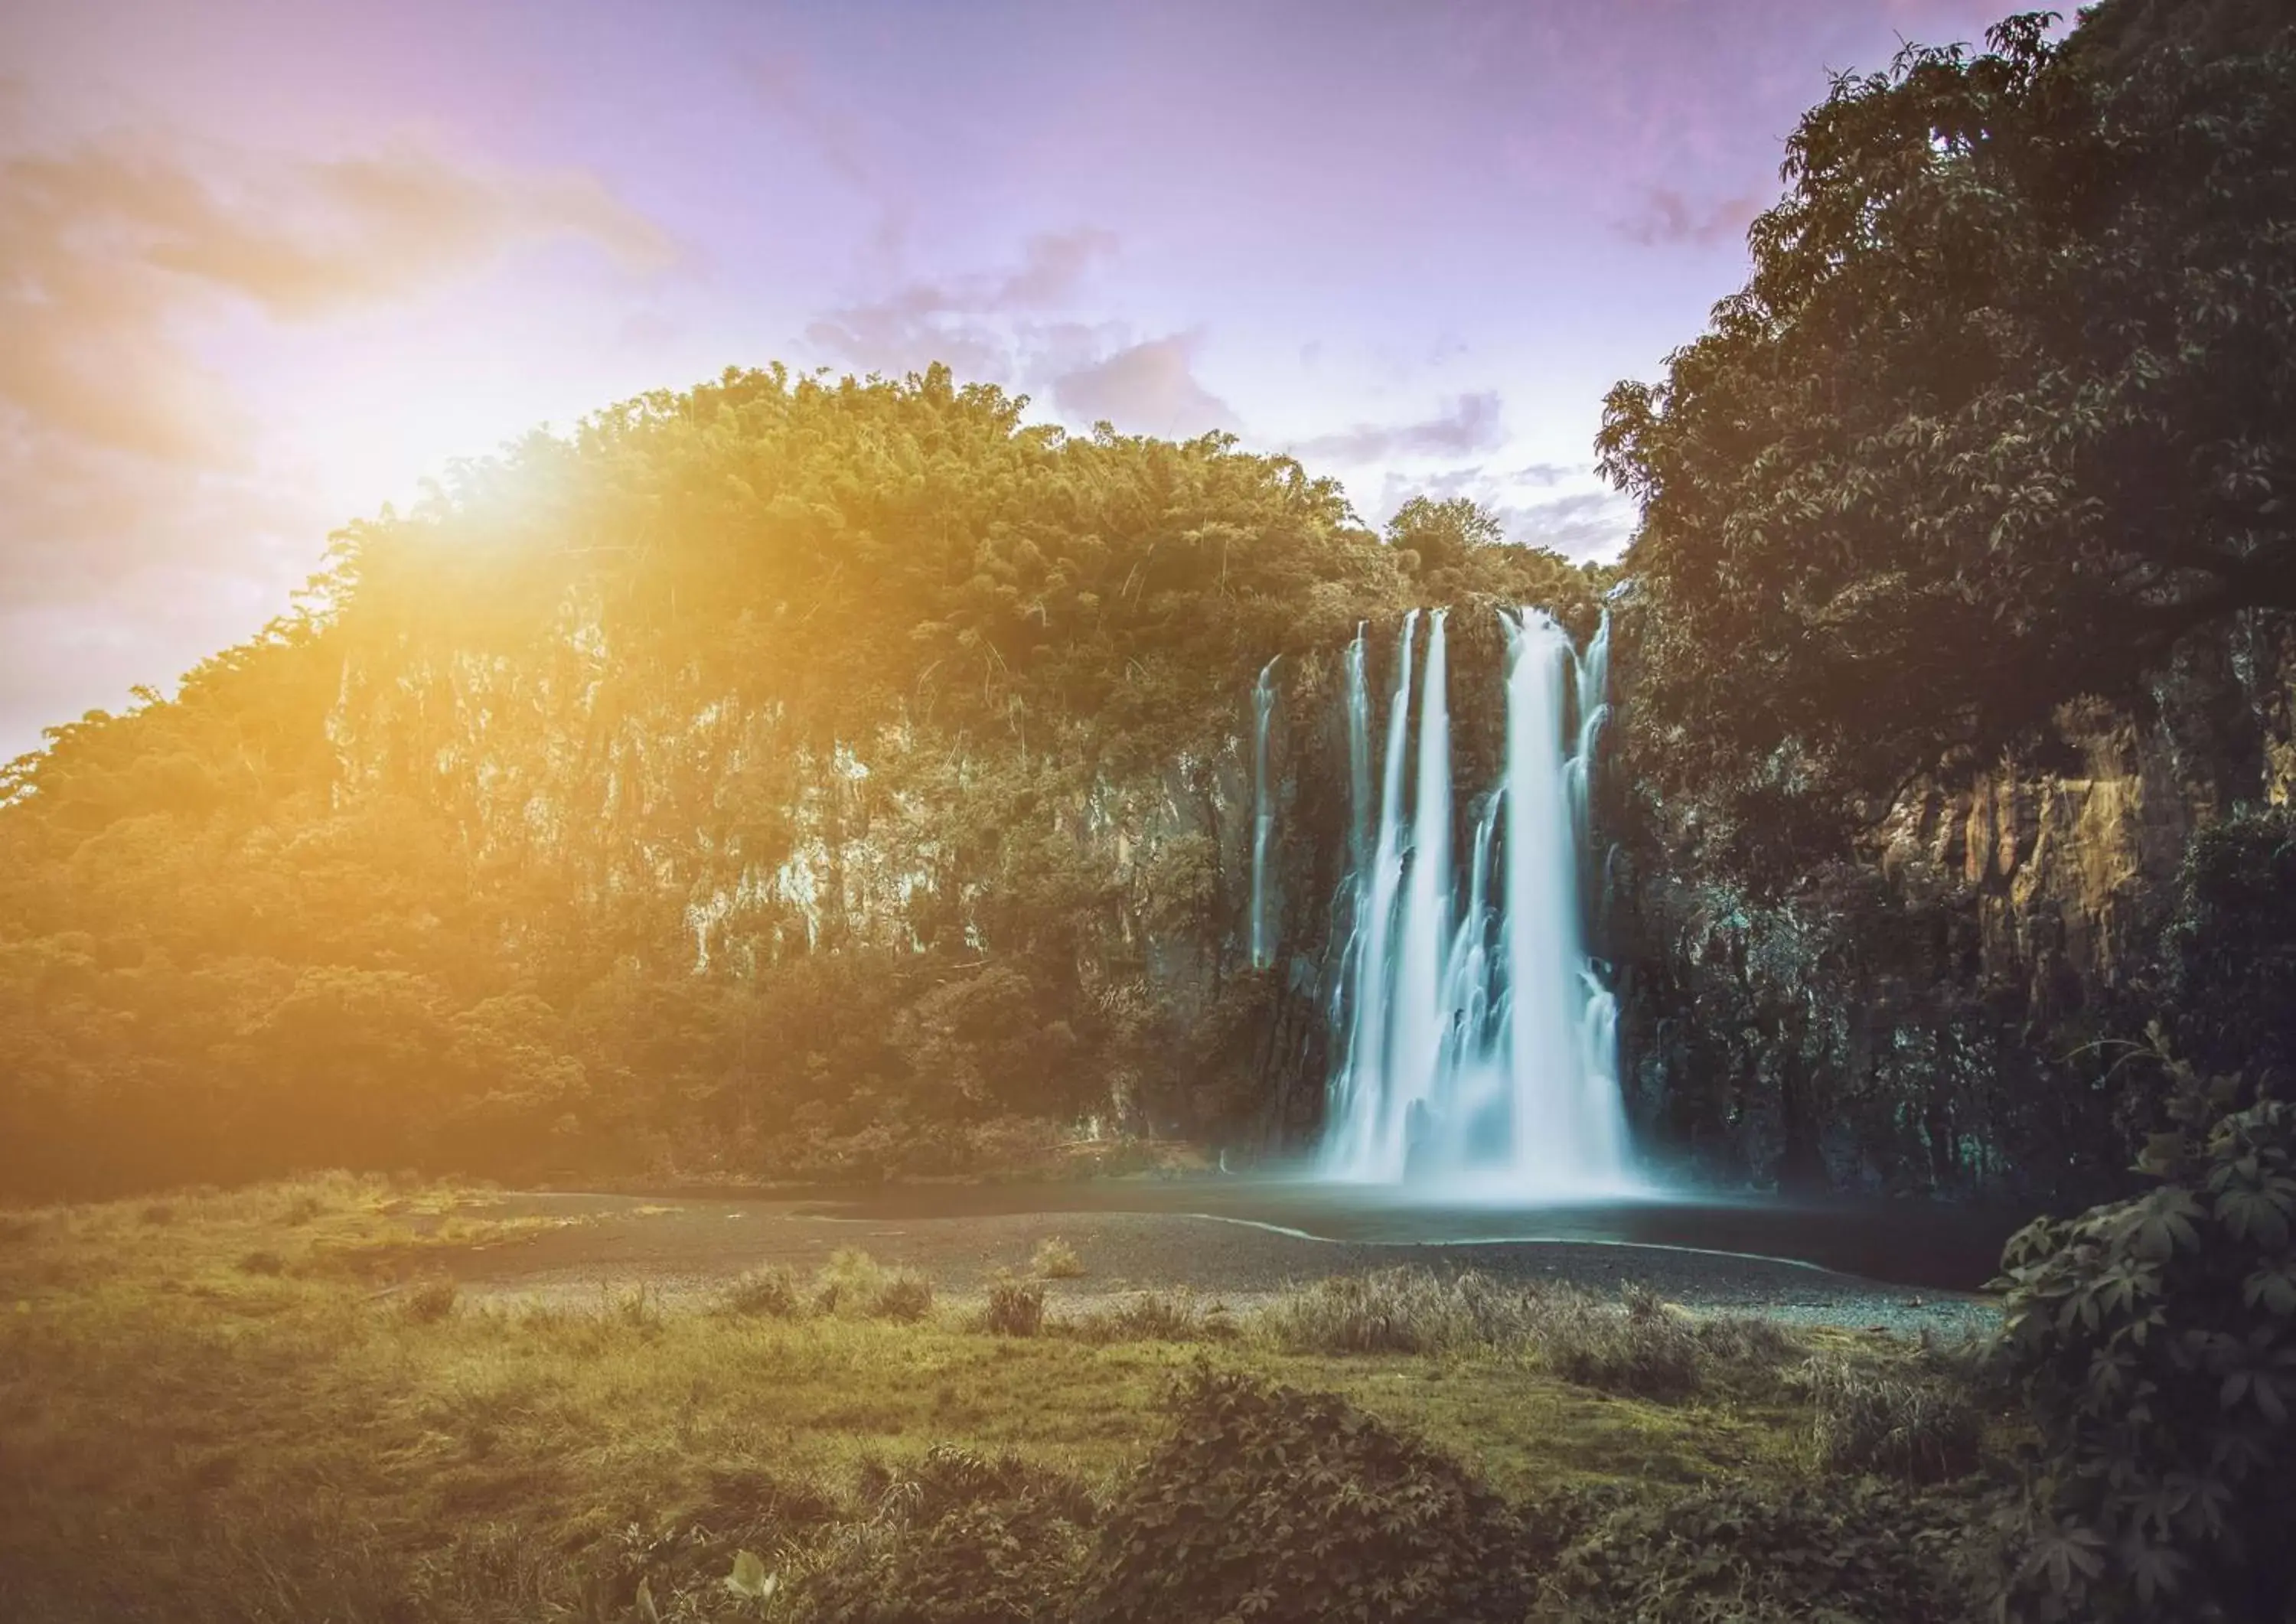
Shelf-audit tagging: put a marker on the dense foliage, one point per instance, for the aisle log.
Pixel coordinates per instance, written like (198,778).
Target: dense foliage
(1269,1504)
(2003,411)
(822,777)
(2154,1343)
(1960,601)
(842,778)
(960,1539)
(1725,1554)
(2232,946)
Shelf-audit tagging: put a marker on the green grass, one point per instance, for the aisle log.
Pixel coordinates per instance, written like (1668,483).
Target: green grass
(183,1434)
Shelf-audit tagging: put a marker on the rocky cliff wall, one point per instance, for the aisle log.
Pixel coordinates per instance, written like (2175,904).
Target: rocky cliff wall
(1927,1016)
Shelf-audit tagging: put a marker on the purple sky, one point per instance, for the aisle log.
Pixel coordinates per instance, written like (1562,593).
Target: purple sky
(265,266)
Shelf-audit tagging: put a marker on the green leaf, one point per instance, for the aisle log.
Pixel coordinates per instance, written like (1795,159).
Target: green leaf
(749,1579)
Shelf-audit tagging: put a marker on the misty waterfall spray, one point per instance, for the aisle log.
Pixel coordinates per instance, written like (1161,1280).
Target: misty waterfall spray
(1474,1041)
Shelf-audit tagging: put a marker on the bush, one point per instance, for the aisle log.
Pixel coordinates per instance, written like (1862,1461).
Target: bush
(1151,1317)
(907,1296)
(1637,1345)
(1732,1554)
(1913,1424)
(772,1291)
(429,1301)
(1056,1259)
(2154,1341)
(962,1539)
(1015,1307)
(1404,1310)
(854,1282)
(1640,1347)
(1277,1505)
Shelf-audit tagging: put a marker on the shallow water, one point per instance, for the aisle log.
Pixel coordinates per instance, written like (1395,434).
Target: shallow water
(1919,1243)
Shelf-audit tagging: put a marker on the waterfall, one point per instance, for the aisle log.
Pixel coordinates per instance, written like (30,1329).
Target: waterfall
(1358,1096)
(1263,816)
(1476,1044)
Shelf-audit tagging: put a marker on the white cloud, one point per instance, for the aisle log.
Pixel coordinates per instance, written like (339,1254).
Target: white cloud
(1144,389)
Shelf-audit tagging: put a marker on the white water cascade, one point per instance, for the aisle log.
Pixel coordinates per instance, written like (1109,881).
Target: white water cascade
(1476,1045)
(1263,815)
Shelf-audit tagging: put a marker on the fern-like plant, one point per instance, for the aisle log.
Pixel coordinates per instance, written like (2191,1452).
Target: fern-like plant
(2154,1341)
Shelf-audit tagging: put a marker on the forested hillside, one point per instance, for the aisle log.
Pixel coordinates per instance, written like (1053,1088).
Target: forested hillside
(781,776)
(808,777)
(1963,663)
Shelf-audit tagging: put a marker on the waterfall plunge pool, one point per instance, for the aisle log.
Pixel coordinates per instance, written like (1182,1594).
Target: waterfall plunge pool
(1931,1245)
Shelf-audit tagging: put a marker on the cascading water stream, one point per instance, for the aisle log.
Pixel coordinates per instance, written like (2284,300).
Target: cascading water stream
(1263,815)
(1477,1044)
(1358,1092)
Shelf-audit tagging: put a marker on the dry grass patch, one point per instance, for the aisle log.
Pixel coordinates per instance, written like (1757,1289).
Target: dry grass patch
(1907,1419)
(1055,1259)
(1637,1344)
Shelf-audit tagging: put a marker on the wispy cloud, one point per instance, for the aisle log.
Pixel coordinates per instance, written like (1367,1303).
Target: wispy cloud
(1587,524)
(977,322)
(1005,325)
(1469,425)
(130,474)
(849,147)
(1668,218)
(115,249)
(1145,388)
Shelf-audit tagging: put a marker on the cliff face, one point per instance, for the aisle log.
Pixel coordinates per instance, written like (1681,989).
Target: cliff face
(660,819)
(1917,1018)
(1911,1020)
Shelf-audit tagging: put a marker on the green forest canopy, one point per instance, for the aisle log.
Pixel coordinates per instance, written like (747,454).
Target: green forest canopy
(284,917)
(2006,408)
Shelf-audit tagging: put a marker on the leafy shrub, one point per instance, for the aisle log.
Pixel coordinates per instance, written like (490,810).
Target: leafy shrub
(1734,1553)
(2154,1341)
(1055,1259)
(962,1539)
(772,1291)
(1015,1307)
(1910,1423)
(1277,1505)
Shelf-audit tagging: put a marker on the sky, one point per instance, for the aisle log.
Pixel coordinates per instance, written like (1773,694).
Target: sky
(268,265)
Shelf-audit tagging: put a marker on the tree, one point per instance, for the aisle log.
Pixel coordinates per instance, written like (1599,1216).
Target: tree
(2006,408)
(1442,533)
(764,775)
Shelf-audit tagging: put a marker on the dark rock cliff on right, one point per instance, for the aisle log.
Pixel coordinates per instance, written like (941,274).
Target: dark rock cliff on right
(1948,1009)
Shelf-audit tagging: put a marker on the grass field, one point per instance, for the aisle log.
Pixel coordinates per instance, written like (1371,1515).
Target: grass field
(267,1404)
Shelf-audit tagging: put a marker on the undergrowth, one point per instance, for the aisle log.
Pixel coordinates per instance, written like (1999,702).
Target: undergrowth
(354,1436)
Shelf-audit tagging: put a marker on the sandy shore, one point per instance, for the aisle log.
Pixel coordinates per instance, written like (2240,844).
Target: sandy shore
(686,1248)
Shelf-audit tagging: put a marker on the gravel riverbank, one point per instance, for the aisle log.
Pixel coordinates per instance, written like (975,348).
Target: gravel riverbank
(688,1247)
